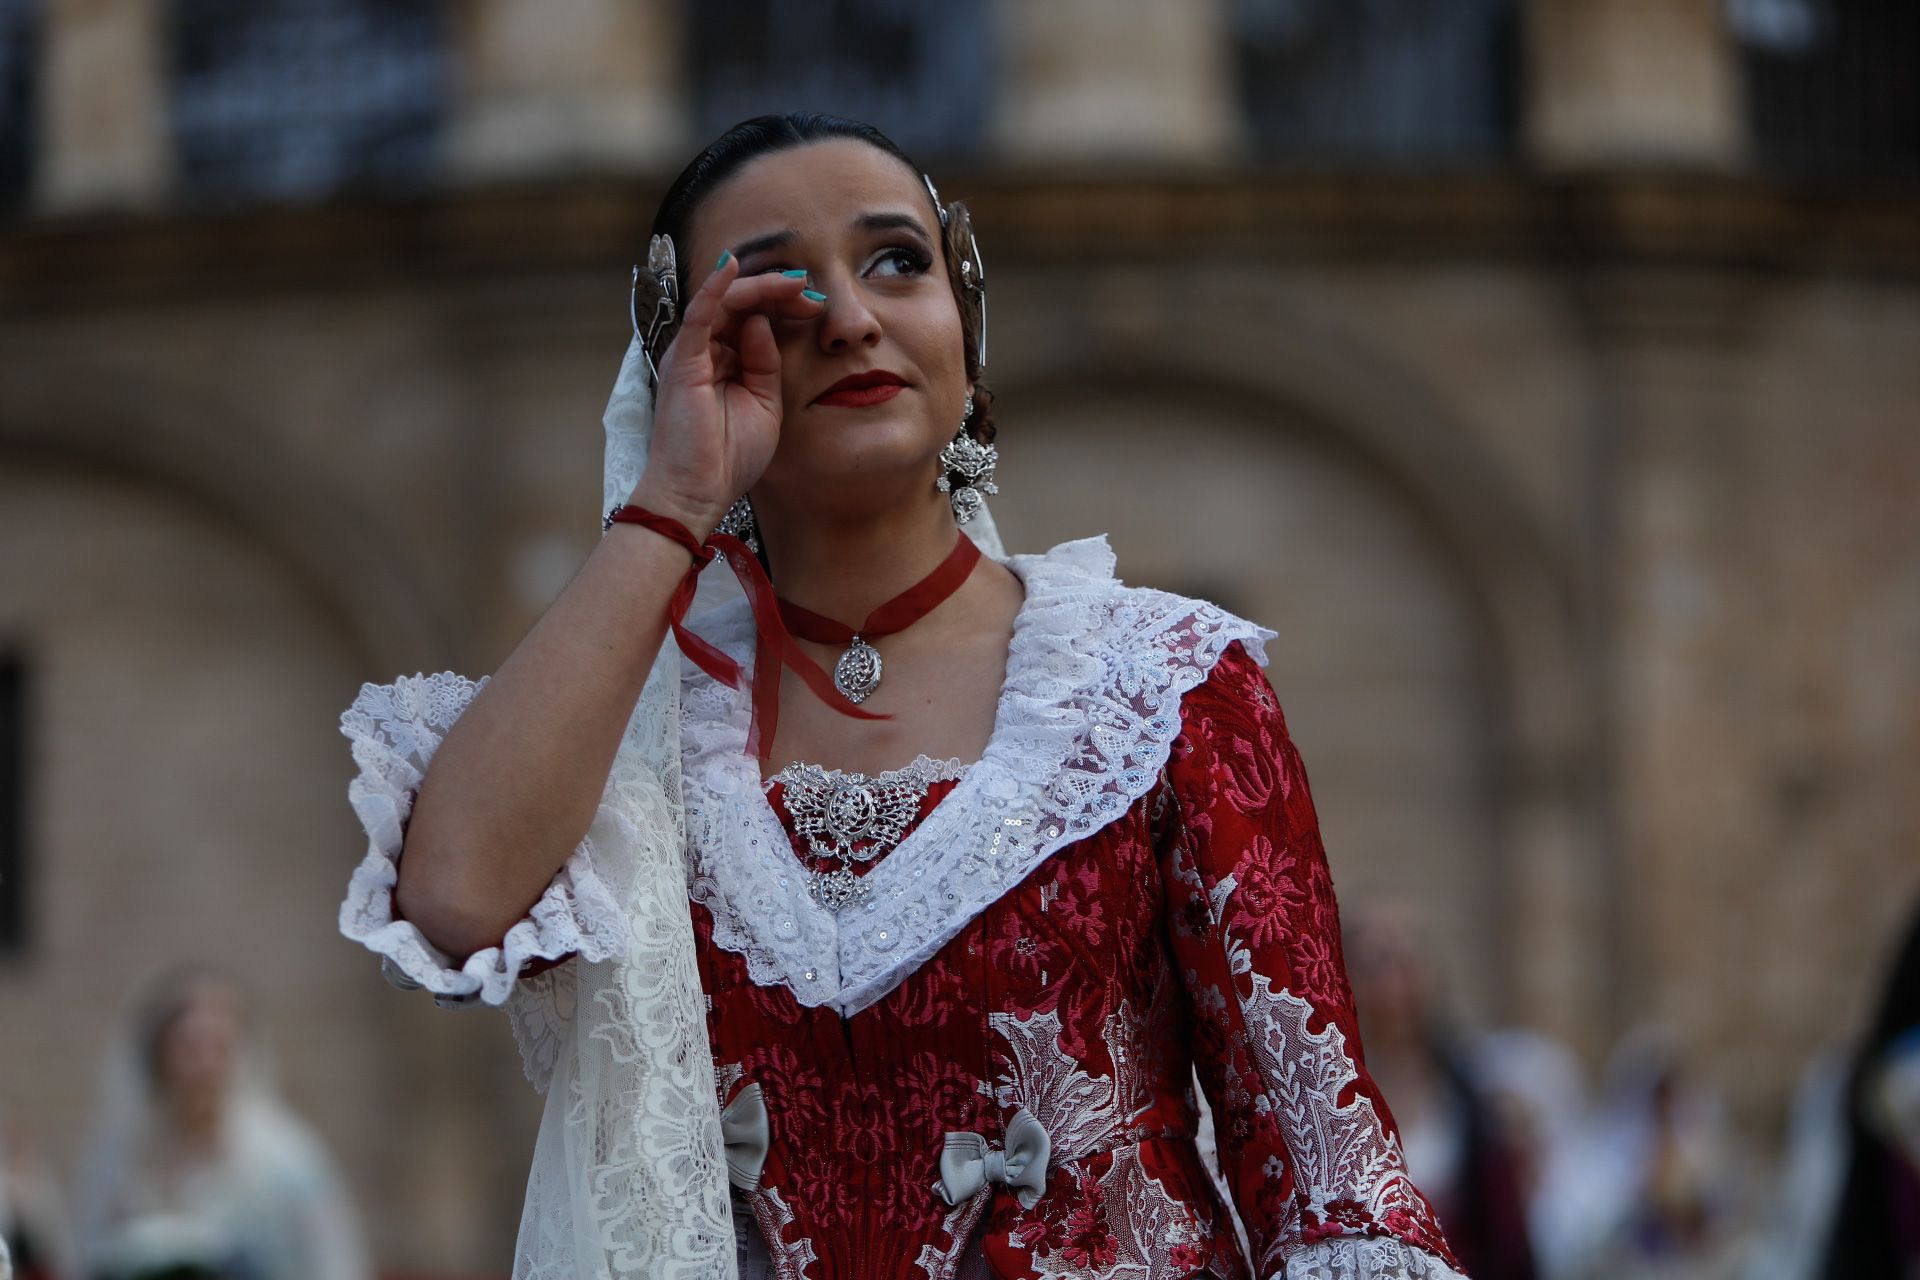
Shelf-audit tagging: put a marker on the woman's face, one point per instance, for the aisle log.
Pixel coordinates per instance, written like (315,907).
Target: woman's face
(198,1052)
(859,222)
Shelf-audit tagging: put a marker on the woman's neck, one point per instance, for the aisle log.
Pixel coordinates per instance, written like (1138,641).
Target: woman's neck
(845,566)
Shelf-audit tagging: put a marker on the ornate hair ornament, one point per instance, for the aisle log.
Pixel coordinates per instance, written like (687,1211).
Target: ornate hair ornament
(973,281)
(938,208)
(973,270)
(664,267)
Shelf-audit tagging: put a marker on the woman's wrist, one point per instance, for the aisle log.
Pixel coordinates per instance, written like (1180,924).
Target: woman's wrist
(700,518)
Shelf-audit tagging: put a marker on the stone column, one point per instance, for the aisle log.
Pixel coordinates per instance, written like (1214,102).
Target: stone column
(586,86)
(1632,82)
(103,107)
(1114,79)
(1690,643)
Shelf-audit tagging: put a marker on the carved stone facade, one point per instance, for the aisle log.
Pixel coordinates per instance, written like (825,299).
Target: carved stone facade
(1583,505)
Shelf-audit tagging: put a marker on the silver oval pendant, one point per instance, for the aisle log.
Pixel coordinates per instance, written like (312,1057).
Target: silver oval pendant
(857,674)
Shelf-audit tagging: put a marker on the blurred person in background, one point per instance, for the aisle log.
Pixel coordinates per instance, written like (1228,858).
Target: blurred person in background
(1538,1093)
(33,1223)
(1876,1223)
(198,1171)
(1651,1190)
(1454,1141)
(1792,1243)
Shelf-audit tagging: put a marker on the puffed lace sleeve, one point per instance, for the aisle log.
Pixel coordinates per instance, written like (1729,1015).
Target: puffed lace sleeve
(394,730)
(1307,1146)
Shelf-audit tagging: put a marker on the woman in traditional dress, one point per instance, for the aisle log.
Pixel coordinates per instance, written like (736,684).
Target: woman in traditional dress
(198,1171)
(922,959)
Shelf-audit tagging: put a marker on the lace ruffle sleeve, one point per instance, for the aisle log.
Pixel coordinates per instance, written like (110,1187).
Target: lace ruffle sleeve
(394,730)
(1307,1146)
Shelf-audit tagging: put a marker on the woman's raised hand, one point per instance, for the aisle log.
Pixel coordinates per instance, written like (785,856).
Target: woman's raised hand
(717,408)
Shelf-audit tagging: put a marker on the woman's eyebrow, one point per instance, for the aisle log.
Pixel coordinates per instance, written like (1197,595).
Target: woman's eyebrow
(773,240)
(890,222)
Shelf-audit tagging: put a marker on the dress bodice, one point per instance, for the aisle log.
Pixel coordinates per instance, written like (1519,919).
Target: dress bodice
(1085,995)
(1060,997)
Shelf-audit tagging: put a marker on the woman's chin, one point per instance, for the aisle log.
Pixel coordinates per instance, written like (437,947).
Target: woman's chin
(853,443)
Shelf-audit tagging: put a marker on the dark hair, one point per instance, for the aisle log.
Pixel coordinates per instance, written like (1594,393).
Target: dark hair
(765,135)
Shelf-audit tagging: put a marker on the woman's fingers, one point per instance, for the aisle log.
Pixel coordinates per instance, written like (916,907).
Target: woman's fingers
(775,295)
(758,361)
(724,300)
(704,308)
(727,332)
(775,292)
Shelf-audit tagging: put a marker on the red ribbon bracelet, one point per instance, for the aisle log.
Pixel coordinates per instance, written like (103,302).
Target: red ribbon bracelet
(774,645)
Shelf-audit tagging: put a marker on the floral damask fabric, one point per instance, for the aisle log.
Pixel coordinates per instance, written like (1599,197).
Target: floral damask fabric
(1306,1142)
(1196,929)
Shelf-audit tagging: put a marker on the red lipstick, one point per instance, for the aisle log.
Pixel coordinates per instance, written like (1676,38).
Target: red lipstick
(862,390)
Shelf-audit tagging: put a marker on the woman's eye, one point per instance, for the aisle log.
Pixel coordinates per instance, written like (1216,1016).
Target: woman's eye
(900,262)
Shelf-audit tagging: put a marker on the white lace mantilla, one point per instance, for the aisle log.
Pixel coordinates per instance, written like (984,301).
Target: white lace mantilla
(629,1174)
(1086,718)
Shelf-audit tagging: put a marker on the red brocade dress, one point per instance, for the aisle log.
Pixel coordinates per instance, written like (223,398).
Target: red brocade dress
(1125,895)
(1147,901)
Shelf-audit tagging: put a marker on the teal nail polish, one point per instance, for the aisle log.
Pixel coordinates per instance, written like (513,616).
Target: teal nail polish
(811,296)
(797,273)
(724,255)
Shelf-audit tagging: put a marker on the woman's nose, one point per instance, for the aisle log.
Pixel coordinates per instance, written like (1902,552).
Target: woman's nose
(847,322)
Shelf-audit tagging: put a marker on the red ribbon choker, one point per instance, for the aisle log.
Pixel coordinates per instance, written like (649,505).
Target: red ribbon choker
(772,618)
(857,674)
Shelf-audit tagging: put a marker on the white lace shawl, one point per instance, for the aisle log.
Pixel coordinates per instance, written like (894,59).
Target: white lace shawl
(628,1176)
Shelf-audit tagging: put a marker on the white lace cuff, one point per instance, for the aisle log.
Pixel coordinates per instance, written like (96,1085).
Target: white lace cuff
(394,730)
(1364,1258)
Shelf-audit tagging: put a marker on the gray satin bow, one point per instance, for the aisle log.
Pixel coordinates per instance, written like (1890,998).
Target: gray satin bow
(743,1128)
(967,1163)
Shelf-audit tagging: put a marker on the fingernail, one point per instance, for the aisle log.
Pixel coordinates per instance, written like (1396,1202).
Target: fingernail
(798,273)
(811,296)
(724,255)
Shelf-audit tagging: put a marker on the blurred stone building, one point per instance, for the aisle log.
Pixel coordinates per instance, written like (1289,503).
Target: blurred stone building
(1545,371)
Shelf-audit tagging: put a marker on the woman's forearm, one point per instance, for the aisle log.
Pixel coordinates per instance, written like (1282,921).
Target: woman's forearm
(514,786)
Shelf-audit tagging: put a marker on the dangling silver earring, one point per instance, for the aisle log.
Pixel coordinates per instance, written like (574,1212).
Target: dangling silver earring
(740,523)
(966,470)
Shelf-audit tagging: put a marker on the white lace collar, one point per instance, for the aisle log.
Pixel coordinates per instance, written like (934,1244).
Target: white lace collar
(1087,715)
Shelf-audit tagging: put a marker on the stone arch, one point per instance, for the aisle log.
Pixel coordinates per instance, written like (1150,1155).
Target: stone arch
(237,842)
(1357,401)
(83,413)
